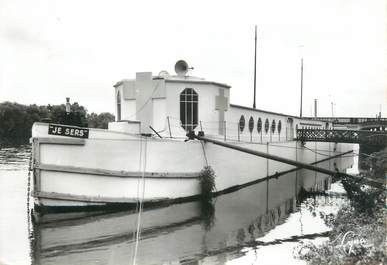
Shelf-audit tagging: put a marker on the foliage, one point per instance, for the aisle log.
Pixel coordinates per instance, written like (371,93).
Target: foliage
(16,119)
(207,182)
(77,116)
(366,199)
(207,213)
(364,158)
(358,231)
(377,164)
(207,186)
(355,239)
(363,199)
(100,120)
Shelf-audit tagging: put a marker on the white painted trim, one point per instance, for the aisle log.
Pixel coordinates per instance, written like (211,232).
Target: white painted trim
(81,198)
(114,173)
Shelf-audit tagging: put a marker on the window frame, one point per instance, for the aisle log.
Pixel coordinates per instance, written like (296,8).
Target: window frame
(189,106)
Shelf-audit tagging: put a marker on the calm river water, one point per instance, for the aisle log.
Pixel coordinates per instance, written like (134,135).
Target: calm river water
(260,224)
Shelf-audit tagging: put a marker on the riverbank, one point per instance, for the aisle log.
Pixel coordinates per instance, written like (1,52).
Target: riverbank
(16,119)
(358,230)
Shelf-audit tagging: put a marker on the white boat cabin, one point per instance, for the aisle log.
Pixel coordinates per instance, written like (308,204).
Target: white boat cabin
(175,104)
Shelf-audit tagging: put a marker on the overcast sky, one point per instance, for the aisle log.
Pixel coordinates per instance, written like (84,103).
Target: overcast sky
(52,49)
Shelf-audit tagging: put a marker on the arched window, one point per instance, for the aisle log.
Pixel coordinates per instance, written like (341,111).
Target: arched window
(251,124)
(279,126)
(118,106)
(242,123)
(273,126)
(259,125)
(266,125)
(189,109)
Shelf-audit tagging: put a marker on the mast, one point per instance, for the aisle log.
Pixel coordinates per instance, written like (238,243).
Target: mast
(302,79)
(255,64)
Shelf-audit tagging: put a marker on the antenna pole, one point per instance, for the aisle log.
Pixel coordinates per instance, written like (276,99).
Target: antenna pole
(302,79)
(255,64)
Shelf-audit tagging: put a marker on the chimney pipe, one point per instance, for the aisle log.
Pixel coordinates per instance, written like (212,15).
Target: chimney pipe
(315,108)
(68,106)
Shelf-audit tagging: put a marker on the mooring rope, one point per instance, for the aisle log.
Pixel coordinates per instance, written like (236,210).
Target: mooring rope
(29,182)
(343,156)
(141,204)
(137,193)
(204,153)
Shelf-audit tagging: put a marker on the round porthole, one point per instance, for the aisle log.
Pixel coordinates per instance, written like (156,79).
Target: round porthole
(279,126)
(266,125)
(242,123)
(273,126)
(251,124)
(259,125)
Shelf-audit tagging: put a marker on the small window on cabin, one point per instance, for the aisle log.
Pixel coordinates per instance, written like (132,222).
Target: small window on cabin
(189,109)
(273,126)
(259,125)
(242,123)
(279,126)
(118,106)
(251,124)
(266,125)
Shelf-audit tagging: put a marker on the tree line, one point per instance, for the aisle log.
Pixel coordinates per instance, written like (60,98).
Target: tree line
(16,119)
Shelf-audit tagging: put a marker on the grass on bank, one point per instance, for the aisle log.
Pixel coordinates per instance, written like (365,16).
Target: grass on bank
(359,229)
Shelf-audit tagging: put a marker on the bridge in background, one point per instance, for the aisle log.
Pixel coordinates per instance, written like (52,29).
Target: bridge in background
(356,123)
(374,138)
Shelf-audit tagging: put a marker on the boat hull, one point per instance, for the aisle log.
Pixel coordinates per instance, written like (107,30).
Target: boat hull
(116,169)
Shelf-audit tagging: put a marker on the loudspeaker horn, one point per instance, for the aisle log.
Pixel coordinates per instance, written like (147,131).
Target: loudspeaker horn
(181,67)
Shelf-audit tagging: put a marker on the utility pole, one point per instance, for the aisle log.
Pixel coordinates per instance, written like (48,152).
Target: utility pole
(255,64)
(302,80)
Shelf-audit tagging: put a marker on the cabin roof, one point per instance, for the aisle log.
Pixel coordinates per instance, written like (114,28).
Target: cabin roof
(197,81)
(264,111)
(180,79)
(306,119)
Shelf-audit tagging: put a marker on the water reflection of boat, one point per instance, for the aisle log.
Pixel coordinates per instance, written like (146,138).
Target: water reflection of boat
(177,234)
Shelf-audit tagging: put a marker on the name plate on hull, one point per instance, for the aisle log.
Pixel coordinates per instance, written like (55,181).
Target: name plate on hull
(70,131)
